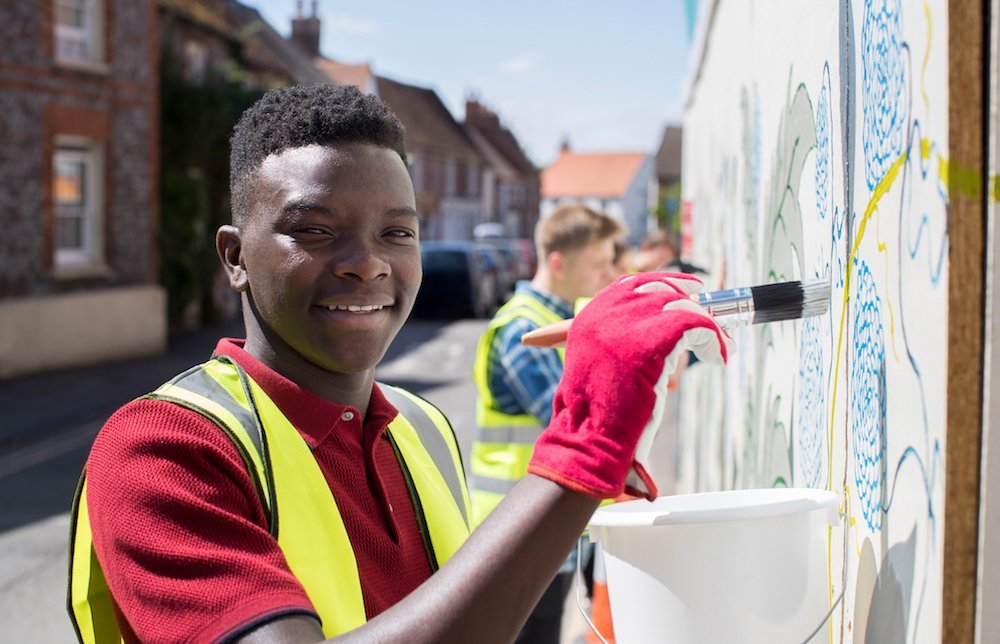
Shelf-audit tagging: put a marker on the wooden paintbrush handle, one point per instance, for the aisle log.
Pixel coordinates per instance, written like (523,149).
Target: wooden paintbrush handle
(550,336)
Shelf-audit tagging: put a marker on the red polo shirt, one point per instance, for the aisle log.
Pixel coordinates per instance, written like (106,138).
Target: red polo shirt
(183,539)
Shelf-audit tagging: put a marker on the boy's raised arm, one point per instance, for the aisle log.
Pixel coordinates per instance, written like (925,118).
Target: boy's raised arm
(618,350)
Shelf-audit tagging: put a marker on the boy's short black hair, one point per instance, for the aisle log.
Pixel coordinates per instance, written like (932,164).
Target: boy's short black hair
(302,115)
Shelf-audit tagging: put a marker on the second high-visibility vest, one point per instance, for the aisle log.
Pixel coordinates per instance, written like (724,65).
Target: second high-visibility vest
(303,514)
(504,442)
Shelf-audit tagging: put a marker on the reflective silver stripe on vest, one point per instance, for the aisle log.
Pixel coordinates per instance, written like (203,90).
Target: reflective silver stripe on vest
(199,382)
(481,483)
(432,440)
(510,434)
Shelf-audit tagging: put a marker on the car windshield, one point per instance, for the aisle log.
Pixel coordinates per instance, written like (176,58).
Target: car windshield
(443,260)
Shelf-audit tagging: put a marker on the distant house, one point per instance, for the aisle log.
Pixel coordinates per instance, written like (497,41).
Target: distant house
(445,165)
(621,184)
(78,164)
(197,34)
(270,58)
(511,185)
(668,156)
(668,173)
(216,36)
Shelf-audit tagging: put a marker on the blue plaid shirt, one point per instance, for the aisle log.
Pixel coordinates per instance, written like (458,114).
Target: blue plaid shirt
(523,380)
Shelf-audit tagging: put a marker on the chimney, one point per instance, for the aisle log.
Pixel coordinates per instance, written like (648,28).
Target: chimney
(473,110)
(564,146)
(479,114)
(305,31)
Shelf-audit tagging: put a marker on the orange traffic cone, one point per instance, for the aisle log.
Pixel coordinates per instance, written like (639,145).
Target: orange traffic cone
(600,604)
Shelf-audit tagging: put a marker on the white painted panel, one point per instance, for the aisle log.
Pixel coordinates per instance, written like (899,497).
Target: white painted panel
(815,147)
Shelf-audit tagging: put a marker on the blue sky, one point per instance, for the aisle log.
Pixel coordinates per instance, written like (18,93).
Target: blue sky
(605,74)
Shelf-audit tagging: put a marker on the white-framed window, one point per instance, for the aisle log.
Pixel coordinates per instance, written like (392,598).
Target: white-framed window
(79,31)
(78,204)
(516,194)
(474,171)
(195,62)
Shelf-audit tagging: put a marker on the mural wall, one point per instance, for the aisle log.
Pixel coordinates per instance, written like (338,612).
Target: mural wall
(815,144)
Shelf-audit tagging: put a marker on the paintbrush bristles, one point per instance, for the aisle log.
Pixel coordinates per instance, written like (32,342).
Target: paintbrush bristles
(777,302)
(815,298)
(738,307)
(790,300)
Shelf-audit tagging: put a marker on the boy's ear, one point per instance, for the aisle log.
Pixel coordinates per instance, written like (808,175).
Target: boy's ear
(229,245)
(556,262)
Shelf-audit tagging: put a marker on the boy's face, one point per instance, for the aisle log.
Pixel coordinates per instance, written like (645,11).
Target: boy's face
(329,255)
(589,269)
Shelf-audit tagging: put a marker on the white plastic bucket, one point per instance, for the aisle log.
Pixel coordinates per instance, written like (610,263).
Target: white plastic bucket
(742,566)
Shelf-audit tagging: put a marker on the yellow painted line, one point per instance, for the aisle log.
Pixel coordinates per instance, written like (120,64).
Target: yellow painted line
(963,180)
(851,523)
(880,190)
(960,179)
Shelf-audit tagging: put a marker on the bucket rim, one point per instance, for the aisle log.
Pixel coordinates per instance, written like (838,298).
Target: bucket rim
(714,507)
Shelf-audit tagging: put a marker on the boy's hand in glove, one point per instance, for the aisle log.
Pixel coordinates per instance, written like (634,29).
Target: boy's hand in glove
(621,349)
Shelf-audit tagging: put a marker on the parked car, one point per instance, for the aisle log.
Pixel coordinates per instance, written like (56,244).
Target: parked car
(518,258)
(502,268)
(510,270)
(461,279)
(525,249)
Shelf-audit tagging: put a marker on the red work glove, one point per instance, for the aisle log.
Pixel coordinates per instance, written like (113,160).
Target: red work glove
(620,351)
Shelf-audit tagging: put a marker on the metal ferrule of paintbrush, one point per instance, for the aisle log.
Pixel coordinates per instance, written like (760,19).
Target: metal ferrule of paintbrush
(738,307)
(734,306)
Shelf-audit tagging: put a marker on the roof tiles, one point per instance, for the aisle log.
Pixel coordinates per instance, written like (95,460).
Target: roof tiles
(605,175)
(428,122)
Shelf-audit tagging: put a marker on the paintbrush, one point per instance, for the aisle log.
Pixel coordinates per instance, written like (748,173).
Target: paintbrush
(732,308)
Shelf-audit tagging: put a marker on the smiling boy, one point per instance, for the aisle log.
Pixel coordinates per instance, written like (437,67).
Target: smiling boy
(276,493)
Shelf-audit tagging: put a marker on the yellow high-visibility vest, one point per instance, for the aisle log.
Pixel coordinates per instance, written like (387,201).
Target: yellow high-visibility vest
(504,442)
(302,512)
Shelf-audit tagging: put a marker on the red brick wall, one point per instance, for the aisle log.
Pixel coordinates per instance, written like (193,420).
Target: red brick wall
(115,104)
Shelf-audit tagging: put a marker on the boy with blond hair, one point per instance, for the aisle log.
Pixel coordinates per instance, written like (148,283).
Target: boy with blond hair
(516,383)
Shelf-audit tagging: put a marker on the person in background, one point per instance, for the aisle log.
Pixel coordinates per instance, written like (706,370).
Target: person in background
(622,260)
(516,383)
(658,249)
(277,493)
(661,251)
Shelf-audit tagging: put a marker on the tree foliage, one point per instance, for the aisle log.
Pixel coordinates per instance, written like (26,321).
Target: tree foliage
(196,120)
(668,206)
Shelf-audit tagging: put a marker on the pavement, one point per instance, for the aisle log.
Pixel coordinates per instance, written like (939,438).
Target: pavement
(36,407)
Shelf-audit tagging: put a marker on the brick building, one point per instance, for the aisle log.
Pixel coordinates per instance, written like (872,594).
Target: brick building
(78,165)
(214,36)
(512,183)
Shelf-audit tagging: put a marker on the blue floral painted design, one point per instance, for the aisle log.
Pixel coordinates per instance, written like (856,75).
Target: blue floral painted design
(867,391)
(883,87)
(811,428)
